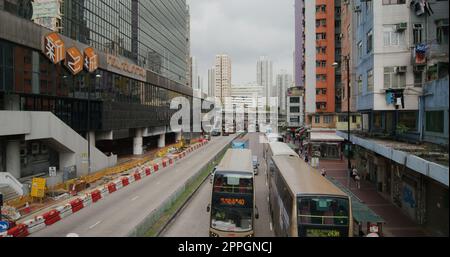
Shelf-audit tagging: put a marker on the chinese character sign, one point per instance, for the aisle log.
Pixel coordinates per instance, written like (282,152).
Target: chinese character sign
(54,48)
(74,60)
(90,59)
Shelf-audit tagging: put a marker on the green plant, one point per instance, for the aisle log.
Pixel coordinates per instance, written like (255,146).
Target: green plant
(402,129)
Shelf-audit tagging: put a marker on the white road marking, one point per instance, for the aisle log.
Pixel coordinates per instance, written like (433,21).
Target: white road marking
(271,228)
(91,227)
(134,198)
(268,199)
(72,235)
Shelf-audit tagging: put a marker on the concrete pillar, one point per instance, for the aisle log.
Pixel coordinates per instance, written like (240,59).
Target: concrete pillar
(162,141)
(138,143)
(13,158)
(178,136)
(92,138)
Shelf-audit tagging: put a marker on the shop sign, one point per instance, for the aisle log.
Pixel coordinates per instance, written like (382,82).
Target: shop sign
(74,60)
(126,67)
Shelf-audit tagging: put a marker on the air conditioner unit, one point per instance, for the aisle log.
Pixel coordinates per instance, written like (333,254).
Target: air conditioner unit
(401,26)
(357,8)
(400,69)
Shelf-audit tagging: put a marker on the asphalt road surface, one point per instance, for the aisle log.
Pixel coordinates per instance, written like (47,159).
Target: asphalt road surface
(120,212)
(193,220)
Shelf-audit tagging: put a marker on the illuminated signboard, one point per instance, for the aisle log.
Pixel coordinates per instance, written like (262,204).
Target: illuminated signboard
(74,60)
(232,201)
(322,233)
(54,48)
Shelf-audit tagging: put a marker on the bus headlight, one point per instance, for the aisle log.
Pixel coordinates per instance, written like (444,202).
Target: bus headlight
(211,234)
(251,235)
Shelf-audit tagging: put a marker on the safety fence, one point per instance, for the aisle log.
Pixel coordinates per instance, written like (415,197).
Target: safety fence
(137,173)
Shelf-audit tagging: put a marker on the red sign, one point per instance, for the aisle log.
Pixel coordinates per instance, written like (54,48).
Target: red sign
(232,201)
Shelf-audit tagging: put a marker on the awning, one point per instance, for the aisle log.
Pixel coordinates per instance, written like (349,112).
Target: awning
(325,137)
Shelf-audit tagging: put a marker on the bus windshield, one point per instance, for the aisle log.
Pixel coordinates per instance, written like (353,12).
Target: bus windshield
(317,215)
(232,202)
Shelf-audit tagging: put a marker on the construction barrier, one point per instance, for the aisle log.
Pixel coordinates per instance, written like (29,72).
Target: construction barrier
(119,184)
(130,179)
(170,161)
(125,181)
(64,210)
(87,200)
(156,167)
(77,205)
(148,171)
(21,230)
(104,192)
(137,176)
(111,187)
(96,196)
(51,217)
(164,163)
(36,224)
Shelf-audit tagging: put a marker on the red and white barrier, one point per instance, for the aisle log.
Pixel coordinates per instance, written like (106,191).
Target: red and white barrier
(76,204)
(87,200)
(111,187)
(51,217)
(21,230)
(125,181)
(137,176)
(130,179)
(156,167)
(64,210)
(119,184)
(36,224)
(148,171)
(96,195)
(104,192)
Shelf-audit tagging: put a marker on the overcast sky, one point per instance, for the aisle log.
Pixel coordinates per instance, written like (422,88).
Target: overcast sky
(245,30)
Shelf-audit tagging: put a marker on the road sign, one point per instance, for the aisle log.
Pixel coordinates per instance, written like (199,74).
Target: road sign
(4,226)
(52,171)
(38,187)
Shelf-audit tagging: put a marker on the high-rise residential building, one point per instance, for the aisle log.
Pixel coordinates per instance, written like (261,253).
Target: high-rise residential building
(264,76)
(126,61)
(249,95)
(299,52)
(283,82)
(322,48)
(223,77)
(211,81)
(194,74)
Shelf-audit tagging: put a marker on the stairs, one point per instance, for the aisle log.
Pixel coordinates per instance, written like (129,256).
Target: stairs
(8,192)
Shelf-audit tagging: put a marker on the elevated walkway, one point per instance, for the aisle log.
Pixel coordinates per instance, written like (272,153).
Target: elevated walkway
(45,126)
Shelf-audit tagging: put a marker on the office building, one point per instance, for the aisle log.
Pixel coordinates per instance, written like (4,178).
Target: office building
(223,77)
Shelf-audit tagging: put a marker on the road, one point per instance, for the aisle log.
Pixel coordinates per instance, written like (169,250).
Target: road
(193,220)
(120,212)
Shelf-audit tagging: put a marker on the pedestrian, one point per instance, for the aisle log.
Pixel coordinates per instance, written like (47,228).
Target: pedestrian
(306,158)
(324,172)
(356,178)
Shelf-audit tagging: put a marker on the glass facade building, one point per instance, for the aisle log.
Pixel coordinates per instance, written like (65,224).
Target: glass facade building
(152,33)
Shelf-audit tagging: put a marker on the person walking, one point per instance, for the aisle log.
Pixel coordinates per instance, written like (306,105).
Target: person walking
(356,178)
(324,172)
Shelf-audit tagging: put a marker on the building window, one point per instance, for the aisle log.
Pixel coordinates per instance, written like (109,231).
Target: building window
(342,118)
(321,36)
(360,84)
(327,119)
(295,119)
(370,81)
(369,6)
(294,109)
(377,118)
(393,78)
(354,119)
(442,31)
(294,100)
(317,119)
(322,64)
(392,37)
(434,121)
(369,41)
(418,78)
(417,33)
(321,77)
(388,2)
(321,106)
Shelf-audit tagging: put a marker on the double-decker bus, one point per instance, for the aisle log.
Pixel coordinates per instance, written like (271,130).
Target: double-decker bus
(232,207)
(303,203)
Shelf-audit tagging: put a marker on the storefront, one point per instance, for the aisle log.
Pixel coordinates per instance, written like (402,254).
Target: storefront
(325,144)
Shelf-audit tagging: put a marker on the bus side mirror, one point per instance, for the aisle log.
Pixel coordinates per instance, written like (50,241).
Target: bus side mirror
(208,209)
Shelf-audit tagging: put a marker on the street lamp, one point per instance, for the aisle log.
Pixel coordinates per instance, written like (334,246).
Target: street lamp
(349,164)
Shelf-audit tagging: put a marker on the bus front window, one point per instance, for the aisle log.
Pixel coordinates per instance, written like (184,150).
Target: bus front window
(231,219)
(323,216)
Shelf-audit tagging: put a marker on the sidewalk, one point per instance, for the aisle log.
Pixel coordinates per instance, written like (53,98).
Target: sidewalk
(397,224)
